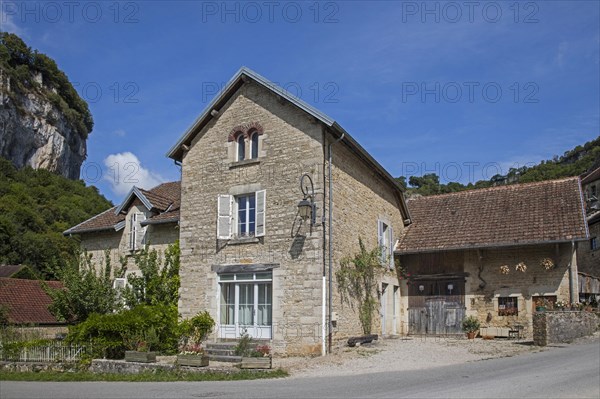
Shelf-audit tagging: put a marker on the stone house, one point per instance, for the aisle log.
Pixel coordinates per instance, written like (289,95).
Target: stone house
(249,254)
(588,257)
(145,217)
(480,252)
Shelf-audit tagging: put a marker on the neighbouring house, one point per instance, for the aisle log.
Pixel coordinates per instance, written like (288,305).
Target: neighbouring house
(482,252)
(145,217)
(249,253)
(10,270)
(588,256)
(27,304)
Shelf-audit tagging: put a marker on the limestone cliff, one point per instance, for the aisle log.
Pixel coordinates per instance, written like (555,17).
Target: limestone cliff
(44,123)
(34,132)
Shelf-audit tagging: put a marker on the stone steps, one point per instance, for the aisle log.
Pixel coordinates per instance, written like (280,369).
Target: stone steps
(222,352)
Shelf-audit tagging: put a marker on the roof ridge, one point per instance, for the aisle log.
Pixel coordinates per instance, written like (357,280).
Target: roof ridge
(495,188)
(87,220)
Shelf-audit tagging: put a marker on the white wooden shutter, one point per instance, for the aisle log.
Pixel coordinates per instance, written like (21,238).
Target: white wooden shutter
(132,231)
(381,242)
(261,198)
(224,216)
(391,245)
(140,232)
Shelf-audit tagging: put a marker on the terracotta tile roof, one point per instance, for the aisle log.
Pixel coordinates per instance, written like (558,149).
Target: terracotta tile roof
(9,270)
(520,214)
(27,301)
(165,198)
(590,177)
(103,221)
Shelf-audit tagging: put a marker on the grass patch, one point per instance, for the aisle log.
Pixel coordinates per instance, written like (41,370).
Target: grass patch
(158,376)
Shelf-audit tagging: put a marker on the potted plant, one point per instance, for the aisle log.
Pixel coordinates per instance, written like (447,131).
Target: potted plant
(140,348)
(470,325)
(192,355)
(253,356)
(542,304)
(192,332)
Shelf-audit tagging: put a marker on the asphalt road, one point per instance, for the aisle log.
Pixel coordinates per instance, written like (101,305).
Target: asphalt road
(570,371)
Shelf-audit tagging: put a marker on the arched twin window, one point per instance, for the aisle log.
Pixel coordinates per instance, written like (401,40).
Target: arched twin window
(241,146)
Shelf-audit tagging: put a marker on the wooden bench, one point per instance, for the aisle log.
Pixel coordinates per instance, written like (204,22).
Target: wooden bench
(363,339)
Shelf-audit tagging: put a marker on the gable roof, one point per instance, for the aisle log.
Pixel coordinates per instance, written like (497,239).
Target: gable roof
(592,176)
(238,80)
(27,301)
(519,214)
(163,199)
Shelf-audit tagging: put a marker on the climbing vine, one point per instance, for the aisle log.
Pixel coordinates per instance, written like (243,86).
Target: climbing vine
(357,281)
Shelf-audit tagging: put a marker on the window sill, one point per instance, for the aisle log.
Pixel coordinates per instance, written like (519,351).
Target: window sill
(244,240)
(245,162)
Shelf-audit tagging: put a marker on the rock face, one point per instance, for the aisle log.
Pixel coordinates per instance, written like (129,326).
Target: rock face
(33,132)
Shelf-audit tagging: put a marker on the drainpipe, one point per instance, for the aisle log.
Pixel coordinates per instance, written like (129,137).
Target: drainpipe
(331,240)
(573,286)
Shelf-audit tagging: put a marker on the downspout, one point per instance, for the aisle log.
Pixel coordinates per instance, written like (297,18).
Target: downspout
(331,239)
(573,286)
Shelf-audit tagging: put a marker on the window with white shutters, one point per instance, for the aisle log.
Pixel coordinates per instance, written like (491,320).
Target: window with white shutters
(241,216)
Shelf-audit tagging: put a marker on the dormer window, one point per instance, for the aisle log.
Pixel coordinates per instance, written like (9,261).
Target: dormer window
(241,148)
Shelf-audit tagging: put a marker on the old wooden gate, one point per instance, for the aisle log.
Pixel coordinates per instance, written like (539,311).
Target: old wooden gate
(436,307)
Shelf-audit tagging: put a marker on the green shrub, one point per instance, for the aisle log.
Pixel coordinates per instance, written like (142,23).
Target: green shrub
(111,334)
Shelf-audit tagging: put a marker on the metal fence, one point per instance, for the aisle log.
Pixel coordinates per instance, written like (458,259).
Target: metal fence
(42,353)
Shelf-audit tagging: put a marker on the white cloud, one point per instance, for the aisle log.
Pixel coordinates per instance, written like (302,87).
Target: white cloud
(124,170)
(120,132)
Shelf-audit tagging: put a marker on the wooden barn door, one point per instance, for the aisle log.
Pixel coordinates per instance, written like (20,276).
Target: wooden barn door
(436,307)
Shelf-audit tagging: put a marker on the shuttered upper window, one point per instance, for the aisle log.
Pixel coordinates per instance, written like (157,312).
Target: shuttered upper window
(136,231)
(241,216)
(385,240)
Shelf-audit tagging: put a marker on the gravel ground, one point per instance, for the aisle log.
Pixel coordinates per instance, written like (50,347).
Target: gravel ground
(407,353)
(400,354)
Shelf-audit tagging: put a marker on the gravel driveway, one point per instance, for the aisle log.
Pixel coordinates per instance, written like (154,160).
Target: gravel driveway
(406,353)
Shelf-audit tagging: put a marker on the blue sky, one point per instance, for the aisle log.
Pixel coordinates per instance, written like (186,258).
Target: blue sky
(465,90)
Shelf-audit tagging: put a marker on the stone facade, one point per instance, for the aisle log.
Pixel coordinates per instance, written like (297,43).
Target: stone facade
(562,327)
(291,143)
(588,259)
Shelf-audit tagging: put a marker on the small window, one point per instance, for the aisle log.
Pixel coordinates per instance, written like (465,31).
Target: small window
(241,148)
(508,306)
(255,145)
(594,243)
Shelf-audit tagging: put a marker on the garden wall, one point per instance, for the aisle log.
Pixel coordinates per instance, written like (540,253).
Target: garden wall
(562,326)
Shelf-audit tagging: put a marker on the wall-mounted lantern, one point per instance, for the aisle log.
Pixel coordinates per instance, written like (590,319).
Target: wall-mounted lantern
(307,207)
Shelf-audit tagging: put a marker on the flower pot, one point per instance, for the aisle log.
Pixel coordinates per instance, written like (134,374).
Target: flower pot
(540,309)
(192,360)
(471,334)
(256,362)
(140,357)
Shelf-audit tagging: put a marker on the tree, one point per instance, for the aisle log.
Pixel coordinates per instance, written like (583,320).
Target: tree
(159,281)
(87,290)
(357,281)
